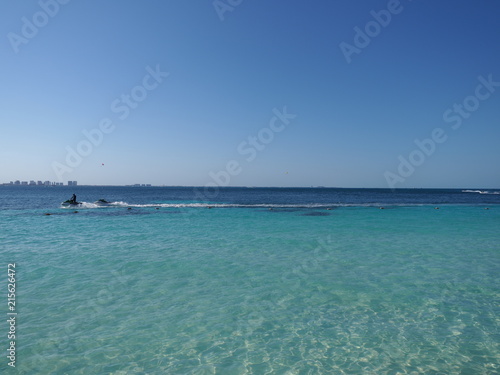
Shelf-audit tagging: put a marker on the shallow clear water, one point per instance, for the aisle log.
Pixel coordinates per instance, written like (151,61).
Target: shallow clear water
(268,281)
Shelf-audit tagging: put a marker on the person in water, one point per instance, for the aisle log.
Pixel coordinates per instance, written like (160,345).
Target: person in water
(73,199)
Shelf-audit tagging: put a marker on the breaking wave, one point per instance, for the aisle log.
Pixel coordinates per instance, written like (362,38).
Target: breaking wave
(481,191)
(88,205)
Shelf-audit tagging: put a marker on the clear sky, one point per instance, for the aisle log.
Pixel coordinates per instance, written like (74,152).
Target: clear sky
(251,92)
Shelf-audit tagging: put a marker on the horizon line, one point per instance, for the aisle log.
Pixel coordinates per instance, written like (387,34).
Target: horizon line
(254,187)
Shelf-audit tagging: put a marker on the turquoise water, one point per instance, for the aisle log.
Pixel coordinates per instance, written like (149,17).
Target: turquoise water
(245,289)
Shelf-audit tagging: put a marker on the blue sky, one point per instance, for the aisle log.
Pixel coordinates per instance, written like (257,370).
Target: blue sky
(347,119)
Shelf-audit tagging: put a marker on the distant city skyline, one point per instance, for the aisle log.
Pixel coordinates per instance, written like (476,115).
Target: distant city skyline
(40,183)
(53,183)
(375,94)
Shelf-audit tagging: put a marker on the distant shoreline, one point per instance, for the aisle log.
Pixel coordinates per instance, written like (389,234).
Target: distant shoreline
(249,187)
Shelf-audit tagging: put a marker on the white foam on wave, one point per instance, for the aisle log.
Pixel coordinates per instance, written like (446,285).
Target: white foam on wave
(88,205)
(225,205)
(81,205)
(221,205)
(116,204)
(481,191)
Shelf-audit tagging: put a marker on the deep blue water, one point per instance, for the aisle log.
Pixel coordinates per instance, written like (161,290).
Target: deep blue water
(28,197)
(267,281)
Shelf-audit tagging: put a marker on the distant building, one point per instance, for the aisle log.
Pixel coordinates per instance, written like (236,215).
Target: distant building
(39,183)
